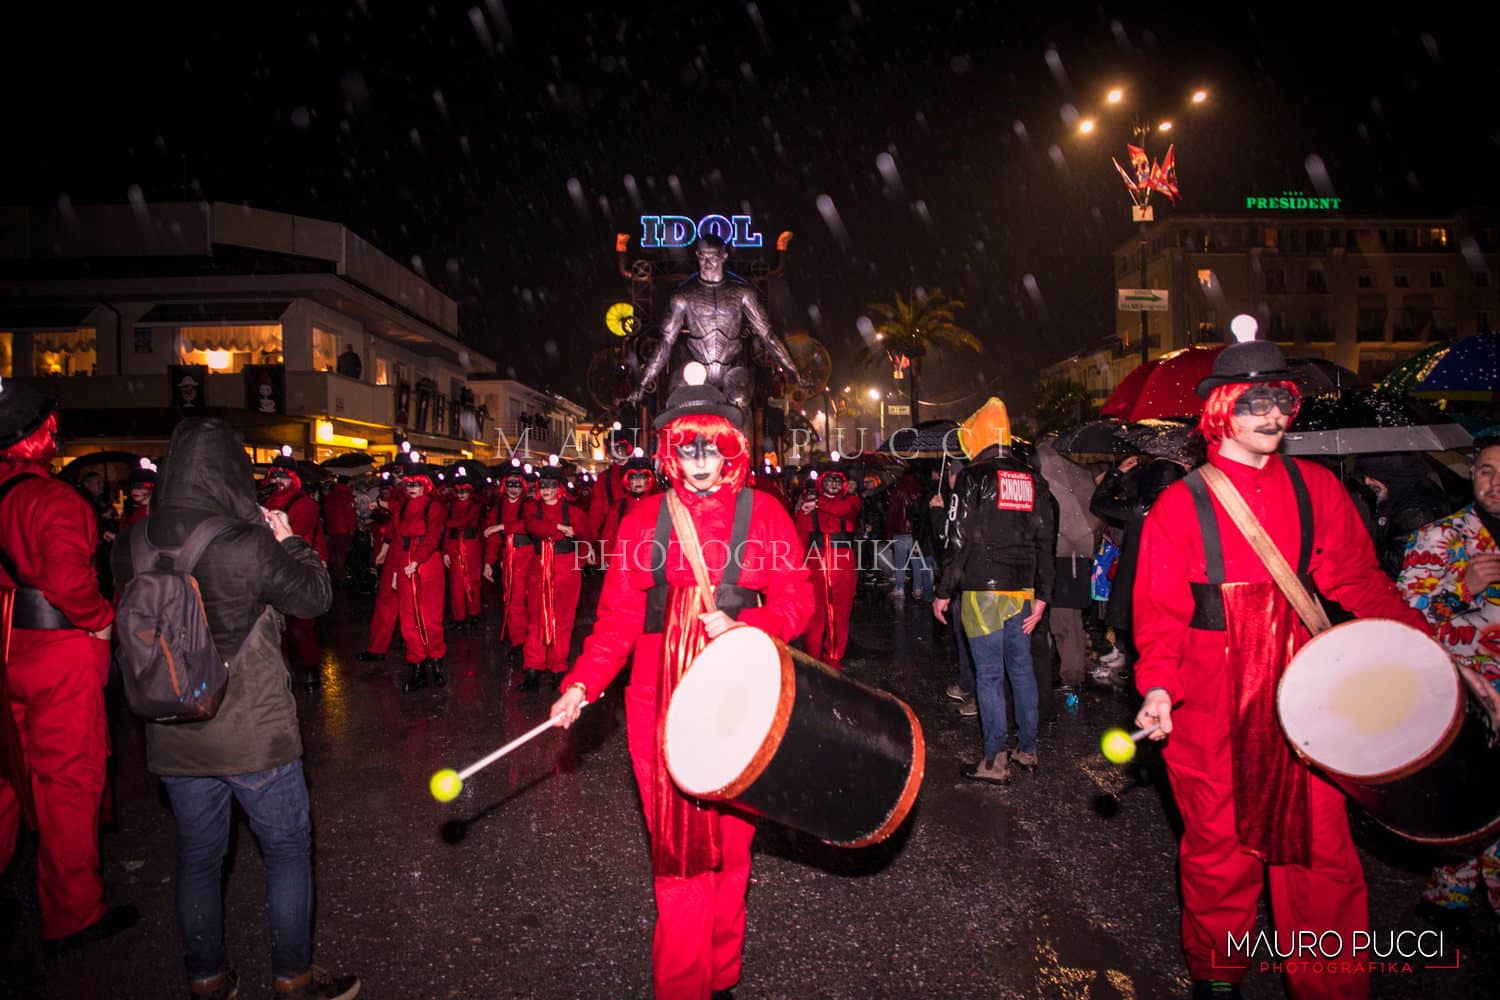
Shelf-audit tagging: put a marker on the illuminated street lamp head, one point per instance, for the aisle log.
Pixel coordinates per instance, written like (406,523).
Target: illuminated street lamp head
(1164,127)
(874,394)
(1115,96)
(1086,127)
(1199,96)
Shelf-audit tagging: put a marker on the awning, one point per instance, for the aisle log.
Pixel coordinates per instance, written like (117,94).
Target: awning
(227,313)
(23,316)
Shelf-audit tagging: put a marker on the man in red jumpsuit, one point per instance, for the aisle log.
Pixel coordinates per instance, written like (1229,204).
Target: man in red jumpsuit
(1215,635)
(461,551)
(382,541)
(556,577)
(53,741)
(640,482)
(418,578)
(611,485)
(339,521)
(827,518)
(507,544)
(138,489)
(306,519)
(700,854)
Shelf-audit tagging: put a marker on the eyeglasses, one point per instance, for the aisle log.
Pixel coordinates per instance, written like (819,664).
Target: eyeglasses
(1258,402)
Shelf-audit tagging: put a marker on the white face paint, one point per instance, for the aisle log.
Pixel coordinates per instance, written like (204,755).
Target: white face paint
(702,465)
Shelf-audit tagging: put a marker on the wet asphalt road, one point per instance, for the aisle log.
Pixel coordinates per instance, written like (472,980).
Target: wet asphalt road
(535,882)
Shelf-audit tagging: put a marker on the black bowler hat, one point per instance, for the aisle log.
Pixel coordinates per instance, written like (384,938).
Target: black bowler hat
(553,473)
(1251,361)
(144,474)
(415,470)
(284,459)
(639,463)
(696,397)
(22,410)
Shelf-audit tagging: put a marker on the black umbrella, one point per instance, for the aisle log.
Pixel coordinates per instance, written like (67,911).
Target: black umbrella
(1097,437)
(1315,375)
(1362,421)
(929,439)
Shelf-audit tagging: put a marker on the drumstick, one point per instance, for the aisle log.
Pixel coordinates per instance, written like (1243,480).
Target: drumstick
(1118,746)
(448,783)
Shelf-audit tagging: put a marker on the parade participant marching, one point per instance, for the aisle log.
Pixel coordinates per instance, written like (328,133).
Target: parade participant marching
(461,551)
(507,544)
(53,740)
(612,484)
(651,613)
(339,524)
(640,482)
(383,538)
(556,577)
(307,524)
(1215,633)
(418,578)
(138,489)
(826,518)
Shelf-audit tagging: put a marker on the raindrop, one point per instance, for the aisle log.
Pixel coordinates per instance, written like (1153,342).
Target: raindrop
(633,190)
(417,265)
(1019,128)
(136,197)
(920,208)
(752,10)
(65,209)
(575,191)
(675,186)
(830,216)
(482,30)
(300,117)
(1034,292)
(886,164)
(463,358)
(748,72)
(442,105)
(1118,31)
(452,266)
(1055,65)
(1069,115)
(1430,44)
(866,328)
(550,349)
(1317,173)
(960,65)
(1058,160)
(502,22)
(416,139)
(815,315)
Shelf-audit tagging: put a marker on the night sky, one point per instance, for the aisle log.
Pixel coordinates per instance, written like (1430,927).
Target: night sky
(489,145)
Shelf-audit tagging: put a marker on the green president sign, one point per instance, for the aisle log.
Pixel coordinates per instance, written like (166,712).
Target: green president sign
(1292,201)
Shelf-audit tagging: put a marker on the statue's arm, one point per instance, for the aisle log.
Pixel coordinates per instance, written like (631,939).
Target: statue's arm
(761,324)
(670,328)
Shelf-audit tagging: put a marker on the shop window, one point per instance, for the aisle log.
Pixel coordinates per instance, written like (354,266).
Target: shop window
(325,350)
(7,348)
(64,352)
(382,371)
(226,349)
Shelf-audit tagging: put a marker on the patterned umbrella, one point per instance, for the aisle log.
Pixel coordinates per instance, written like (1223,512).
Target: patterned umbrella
(1169,389)
(1097,437)
(1411,371)
(1469,370)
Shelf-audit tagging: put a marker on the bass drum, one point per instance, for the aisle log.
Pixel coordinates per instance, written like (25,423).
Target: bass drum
(777,733)
(1379,708)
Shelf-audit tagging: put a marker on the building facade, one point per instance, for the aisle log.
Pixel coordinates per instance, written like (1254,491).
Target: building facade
(137,316)
(530,424)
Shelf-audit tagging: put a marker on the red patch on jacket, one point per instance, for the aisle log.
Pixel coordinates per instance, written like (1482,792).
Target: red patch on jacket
(1016,491)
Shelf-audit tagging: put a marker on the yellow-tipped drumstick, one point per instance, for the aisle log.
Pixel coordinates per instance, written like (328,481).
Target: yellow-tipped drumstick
(447,784)
(1118,746)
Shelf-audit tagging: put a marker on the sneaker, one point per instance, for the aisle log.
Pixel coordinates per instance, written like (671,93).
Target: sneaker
(957,693)
(224,986)
(317,983)
(969,708)
(992,771)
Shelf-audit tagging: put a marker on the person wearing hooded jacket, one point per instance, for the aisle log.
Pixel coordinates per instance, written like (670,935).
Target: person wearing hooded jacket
(251,576)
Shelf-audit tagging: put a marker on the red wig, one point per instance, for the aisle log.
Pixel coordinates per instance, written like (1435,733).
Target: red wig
(38,447)
(1215,425)
(719,432)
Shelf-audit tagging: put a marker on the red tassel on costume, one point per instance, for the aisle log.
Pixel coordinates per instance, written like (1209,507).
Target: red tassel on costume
(549,609)
(507,580)
(1271,784)
(830,626)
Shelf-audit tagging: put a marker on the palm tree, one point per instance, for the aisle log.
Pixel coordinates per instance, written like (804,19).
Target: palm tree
(908,327)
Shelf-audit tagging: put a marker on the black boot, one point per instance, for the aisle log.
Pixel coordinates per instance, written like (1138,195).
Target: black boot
(532,680)
(437,673)
(115,920)
(516,649)
(418,679)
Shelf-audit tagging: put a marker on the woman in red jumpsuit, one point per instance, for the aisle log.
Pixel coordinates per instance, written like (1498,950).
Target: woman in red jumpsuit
(1209,663)
(382,540)
(54,742)
(827,520)
(419,578)
(561,532)
(461,551)
(508,545)
(700,854)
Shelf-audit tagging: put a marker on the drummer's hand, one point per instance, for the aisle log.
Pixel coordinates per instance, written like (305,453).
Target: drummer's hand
(716,623)
(566,708)
(1484,693)
(940,609)
(1484,570)
(1156,707)
(1031,621)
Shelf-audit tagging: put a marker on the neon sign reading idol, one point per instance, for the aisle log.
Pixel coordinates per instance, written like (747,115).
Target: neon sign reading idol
(668,231)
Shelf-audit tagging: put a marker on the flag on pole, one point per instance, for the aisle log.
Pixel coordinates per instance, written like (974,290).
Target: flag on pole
(1164,175)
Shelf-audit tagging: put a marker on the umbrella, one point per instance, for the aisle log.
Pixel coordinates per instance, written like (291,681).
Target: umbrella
(309,472)
(1364,420)
(1097,437)
(115,466)
(1169,389)
(1320,375)
(1161,438)
(1469,370)
(1120,401)
(929,439)
(1411,371)
(350,464)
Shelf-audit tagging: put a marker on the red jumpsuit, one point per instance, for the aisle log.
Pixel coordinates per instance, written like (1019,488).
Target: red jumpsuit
(607,493)
(610,530)
(339,520)
(461,548)
(512,549)
(558,561)
(419,596)
(1221,878)
(828,532)
(55,680)
(306,519)
(700,916)
(383,534)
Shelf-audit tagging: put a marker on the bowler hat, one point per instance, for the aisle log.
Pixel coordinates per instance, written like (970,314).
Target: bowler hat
(22,410)
(696,397)
(1251,361)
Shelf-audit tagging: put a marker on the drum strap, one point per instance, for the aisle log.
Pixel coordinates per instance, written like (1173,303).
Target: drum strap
(729,596)
(1208,601)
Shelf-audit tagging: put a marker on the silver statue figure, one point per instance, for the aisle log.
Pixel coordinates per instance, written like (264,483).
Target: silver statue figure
(713,306)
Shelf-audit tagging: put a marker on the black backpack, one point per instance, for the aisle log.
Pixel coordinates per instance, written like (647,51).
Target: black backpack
(163,645)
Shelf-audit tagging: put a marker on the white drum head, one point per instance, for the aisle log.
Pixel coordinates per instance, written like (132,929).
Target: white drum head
(1368,697)
(722,710)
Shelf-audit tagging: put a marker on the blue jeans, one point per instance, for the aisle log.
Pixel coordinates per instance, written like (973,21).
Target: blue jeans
(275,802)
(1003,653)
(901,550)
(965,659)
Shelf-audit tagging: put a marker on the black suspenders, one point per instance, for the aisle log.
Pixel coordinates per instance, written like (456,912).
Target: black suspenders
(729,595)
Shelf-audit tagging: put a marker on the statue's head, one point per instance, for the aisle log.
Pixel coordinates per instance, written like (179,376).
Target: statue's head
(712,254)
